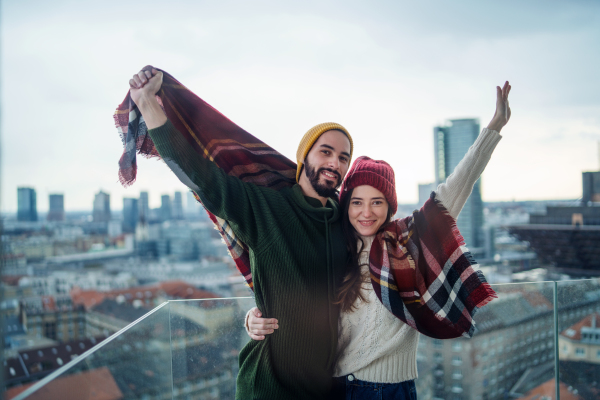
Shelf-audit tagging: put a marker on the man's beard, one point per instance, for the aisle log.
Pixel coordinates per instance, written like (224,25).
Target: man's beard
(327,189)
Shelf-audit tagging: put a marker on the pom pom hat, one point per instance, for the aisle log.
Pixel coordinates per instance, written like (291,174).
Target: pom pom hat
(309,139)
(376,173)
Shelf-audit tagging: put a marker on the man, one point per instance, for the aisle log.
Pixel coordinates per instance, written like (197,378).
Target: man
(297,250)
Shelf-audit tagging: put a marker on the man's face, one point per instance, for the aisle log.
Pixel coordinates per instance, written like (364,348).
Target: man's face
(327,162)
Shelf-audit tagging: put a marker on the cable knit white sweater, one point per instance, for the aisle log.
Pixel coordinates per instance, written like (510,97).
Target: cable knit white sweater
(374,345)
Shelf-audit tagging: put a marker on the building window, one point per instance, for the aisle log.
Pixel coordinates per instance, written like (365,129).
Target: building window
(457,388)
(456,360)
(456,346)
(580,352)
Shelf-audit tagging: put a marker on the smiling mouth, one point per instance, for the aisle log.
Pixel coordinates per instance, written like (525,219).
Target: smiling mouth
(366,223)
(329,175)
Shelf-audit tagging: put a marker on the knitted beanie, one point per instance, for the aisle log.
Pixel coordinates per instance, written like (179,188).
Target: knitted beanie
(376,173)
(309,139)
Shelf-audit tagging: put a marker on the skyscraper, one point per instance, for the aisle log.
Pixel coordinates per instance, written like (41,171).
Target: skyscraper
(177,206)
(165,207)
(130,214)
(144,207)
(101,212)
(57,207)
(591,187)
(192,207)
(26,204)
(451,143)
(425,190)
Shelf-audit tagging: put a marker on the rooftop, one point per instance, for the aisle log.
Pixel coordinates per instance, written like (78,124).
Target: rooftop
(547,391)
(574,332)
(96,384)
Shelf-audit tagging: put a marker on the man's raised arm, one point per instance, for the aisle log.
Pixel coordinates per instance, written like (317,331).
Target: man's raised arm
(225,196)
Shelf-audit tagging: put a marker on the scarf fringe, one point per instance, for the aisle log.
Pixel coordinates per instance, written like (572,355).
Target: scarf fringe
(449,219)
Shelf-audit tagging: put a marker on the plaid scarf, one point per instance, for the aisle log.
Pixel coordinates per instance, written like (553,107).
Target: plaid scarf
(423,274)
(419,268)
(212,135)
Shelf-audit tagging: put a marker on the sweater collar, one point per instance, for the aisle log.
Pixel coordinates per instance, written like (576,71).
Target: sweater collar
(314,207)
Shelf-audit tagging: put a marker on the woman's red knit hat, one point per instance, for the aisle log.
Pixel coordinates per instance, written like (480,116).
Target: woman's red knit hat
(376,173)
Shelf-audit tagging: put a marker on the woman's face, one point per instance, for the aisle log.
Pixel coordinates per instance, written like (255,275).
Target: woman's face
(368,210)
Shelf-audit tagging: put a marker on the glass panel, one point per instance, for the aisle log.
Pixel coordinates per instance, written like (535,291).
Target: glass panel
(206,337)
(579,338)
(189,349)
(511,353)
(134,363)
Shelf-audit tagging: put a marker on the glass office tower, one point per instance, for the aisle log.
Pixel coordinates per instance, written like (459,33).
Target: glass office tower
(451,143)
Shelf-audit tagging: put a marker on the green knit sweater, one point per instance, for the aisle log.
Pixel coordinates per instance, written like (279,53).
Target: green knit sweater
(297,255)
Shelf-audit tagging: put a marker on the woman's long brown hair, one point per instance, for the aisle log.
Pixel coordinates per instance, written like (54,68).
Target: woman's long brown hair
(350,289)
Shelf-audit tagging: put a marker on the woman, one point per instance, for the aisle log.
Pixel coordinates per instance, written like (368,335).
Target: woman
(377,349)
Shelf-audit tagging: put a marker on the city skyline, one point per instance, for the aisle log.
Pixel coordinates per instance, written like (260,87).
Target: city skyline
(154,200)
(143,196)
(388,71)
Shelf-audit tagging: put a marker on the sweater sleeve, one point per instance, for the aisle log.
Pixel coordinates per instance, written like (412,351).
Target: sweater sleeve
(242,204)
(454,192)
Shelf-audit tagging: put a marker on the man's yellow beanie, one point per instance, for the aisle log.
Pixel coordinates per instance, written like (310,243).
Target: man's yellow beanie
(309,139)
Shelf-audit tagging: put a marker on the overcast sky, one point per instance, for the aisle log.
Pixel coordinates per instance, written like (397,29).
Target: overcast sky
(389,71)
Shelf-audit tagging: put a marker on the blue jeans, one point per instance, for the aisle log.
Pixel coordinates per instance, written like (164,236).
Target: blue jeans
(349,388)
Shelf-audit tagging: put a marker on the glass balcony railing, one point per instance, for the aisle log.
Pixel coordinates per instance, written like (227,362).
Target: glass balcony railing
(525,339)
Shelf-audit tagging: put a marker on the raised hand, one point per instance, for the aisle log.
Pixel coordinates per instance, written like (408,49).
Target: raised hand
(502,114)
(259,327)
(145,84)
(143,87)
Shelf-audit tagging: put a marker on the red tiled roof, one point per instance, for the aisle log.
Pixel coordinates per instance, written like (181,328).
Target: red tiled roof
(88,298)
(173,289)
(576,328)
(182,290)
(12,280)
(548,389)
(97,384)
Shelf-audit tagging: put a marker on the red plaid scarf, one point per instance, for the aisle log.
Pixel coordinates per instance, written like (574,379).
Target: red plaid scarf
(419,269)
(423,274)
